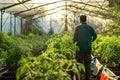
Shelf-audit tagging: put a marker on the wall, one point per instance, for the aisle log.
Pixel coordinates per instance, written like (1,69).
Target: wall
(10,23)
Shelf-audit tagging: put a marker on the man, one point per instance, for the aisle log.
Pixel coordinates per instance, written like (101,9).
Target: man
(84,35)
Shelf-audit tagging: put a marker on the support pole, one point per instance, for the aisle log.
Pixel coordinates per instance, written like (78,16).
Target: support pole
(21,25)
(15,25)
(51,29)
(1,22)
(66,18)
(10,22)
(50,21)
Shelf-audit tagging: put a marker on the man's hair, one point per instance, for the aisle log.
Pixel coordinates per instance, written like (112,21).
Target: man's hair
(83,18)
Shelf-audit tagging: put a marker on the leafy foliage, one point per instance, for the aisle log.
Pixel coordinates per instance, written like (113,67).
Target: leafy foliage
(111,50)
(5,42)
(45,68)
(55,63)
(108,47)
(115,25)
(99,43)
(62,44)
(13,48)
(37,42)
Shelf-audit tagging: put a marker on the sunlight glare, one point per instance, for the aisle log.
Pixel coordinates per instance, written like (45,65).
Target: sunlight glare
(55,16)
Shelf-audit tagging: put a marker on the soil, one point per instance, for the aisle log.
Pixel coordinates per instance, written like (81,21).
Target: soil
(5,74)
(115,70)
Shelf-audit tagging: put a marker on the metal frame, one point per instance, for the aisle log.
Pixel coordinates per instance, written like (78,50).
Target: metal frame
(67,7)
(36,7)
(4,8)
(17,14)
(15,5)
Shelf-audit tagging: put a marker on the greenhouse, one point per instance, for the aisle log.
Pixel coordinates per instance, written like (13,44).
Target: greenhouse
(37,39)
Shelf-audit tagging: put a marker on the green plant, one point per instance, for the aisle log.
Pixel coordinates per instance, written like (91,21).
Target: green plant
(115,10)
(55,63)
(108,48)
(35,30)
(14,47)
(38,43)
(17,48)
(111,51)
(1,37)
(99,43)
(45,68)
(5,42)
(63,44)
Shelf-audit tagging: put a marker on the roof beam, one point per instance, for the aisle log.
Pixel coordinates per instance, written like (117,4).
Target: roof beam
(69,8)
(89,5)
(14,5)
(92,11)
(99,12)
(103,13)
(45,11)
(62,10)
(37,7)
(46,14)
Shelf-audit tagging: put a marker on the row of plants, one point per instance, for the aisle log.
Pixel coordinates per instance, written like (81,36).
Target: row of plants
(39,57)
(12,49)
(45,57)
(108,48)
(55,63)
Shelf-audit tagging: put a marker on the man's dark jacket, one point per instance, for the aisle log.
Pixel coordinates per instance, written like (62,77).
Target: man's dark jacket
(84,36)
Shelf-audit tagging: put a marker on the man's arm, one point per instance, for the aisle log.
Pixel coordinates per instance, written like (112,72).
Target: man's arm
(94,34)
(75,35)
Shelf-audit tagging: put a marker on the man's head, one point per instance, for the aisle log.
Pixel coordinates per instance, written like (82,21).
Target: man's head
(83,18)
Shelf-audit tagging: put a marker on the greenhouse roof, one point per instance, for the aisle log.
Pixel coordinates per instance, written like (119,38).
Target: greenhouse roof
(29,8)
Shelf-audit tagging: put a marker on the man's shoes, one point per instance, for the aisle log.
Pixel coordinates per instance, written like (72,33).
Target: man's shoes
(87,79)
(91,78)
